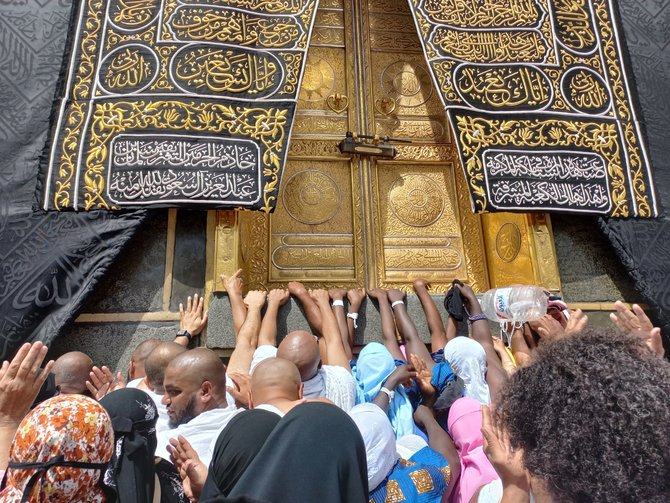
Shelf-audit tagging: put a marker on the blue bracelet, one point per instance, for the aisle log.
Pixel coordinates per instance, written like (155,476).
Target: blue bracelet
(480,316)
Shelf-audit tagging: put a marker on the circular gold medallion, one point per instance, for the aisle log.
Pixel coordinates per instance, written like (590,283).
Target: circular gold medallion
(508,242)
(311,197)
(416,200)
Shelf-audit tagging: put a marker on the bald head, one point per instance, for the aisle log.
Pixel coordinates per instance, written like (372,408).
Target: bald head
(139,357)
(275,379)
(301,348)
(157,362)
(198,365)
(72,371)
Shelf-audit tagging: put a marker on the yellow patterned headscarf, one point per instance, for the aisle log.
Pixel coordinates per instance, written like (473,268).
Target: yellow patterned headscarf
(59,452)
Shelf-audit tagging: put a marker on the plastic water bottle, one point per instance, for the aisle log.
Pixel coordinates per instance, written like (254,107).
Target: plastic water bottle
(515,304)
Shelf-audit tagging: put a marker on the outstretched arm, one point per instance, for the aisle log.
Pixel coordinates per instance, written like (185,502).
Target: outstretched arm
(337,295)
(438,335)
(440,441)
(495,374)
(268,332)
(311,310)
(356,298)
(247,340)
(388,325)
(330,331)
(407,329)
(233,286)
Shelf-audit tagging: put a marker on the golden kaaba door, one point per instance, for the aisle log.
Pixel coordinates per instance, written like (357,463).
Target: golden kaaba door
(367,221)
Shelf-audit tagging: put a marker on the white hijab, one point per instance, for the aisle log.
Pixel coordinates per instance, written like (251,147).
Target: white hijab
(468,359)
(379,439)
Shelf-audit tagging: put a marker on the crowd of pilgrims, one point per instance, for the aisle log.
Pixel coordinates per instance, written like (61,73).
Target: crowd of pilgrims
(561,412)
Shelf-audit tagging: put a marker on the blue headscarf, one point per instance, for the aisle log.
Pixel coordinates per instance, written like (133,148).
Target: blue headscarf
(373,367)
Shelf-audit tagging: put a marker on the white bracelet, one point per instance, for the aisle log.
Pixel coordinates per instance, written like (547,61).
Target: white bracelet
(396,303)
(338,302)
(353,316)
(389,393)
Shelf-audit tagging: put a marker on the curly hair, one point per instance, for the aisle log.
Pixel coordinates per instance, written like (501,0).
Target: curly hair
(592,415)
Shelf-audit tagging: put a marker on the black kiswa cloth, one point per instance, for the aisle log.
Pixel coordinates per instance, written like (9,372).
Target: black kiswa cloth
(235,449)
(453,302)
(315,453)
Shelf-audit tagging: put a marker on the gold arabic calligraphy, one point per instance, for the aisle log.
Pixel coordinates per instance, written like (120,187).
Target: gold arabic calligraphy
(228,70)
(498,87)
(485,13)
(234,27)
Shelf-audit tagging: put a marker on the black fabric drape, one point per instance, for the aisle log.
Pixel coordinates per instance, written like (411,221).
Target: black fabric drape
(315,453)
(236,448)
(644,246)
(49,263)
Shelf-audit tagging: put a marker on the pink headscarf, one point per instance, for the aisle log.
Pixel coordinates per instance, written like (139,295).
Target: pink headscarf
(465,425)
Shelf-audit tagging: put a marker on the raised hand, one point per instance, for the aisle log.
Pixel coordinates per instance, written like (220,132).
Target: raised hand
(638,323)
(278,297)
(356,296)
(233,284)
(20,382)
(192,470)
(194,317)
(548,328)
(506,461)
(337,293)
(320,296)
(403,374)
(103,382)
(241,392)
(255,298)
(577,322)
(423,377)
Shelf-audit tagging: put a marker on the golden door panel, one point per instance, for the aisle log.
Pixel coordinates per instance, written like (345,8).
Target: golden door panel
(312,231)
(364,221)
(418,230)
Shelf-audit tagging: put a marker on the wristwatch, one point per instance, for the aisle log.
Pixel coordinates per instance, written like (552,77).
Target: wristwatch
(185,333)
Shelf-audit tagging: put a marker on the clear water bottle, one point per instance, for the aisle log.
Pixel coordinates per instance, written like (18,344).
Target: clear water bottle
(518,303)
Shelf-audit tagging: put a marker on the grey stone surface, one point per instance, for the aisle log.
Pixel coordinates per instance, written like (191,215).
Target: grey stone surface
(188,272)
(588,267)
(111,344)
(135,281)
(220,333)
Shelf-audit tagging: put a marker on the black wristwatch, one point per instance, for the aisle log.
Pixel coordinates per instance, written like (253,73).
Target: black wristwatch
(185,333)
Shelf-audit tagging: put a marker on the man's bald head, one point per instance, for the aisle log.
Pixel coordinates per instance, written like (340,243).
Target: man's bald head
(139,357)
(195,382)
(157,362)
(275,378)
(201,364)
(72,371)
(301,348)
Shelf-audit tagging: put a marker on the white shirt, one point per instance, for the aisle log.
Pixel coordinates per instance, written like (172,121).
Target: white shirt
(201,432)
(331,381)
(270,408)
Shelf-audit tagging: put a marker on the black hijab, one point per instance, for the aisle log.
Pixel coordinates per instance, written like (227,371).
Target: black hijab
(132,471)
(236,448)
(315,453)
